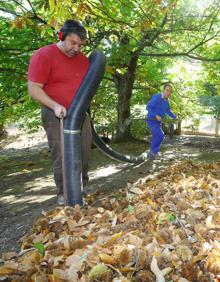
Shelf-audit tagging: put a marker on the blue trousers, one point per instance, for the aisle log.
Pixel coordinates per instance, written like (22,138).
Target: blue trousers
(157,135)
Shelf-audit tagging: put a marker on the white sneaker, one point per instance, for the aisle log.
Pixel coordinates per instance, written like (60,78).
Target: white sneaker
(60,200)
(144,156)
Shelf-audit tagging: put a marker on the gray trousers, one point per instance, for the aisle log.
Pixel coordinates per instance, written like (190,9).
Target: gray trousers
(51,125)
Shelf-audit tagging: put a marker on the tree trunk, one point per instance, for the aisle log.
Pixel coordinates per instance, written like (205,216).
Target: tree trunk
(2,130)
(178,128)
(217,120)
(124,85)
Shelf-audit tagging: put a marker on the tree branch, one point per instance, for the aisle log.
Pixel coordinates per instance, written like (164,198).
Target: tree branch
(200,58)
(35,14)
(146,15)
(108,18)
(150,38)
(9,12)
(181,54)
(19,4)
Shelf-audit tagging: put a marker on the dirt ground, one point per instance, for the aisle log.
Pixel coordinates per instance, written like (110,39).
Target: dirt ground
(26,180)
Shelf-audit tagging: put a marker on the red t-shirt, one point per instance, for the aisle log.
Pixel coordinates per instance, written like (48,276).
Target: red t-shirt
(61,75)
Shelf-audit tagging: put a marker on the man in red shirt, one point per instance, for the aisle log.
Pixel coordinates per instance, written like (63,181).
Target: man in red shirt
(54,75)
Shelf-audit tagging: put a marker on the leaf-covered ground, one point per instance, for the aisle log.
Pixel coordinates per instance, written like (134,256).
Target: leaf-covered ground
(166,228)
(155,222)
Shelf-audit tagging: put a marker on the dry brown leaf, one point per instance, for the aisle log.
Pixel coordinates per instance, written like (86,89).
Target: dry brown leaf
(126,269)
(107,259)
(211,221)
(136,190)
(100,273)
(113,238)
(9,255)
(157,272)
(144,276)
(135,240)
(38,277)
(72,274)
(29,260)
(183,280)
(189,271)
(195,215)
(216,217)
(9,268)
(182,205)
(58,260)
(151,183)
(82,223)
(71,224)
(142,260)
(114,221)
(121,279)
(74,260)
(123,254)
(213,262)
(184,252)
(59,275)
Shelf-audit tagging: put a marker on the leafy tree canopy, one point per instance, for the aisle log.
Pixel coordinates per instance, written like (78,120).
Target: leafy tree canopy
(143,41)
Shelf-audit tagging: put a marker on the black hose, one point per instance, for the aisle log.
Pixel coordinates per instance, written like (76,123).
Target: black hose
(100,144)
(72,128)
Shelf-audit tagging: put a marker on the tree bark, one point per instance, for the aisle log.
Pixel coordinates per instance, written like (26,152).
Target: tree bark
(178,129)
(2,129)
(124,85)
(217,120)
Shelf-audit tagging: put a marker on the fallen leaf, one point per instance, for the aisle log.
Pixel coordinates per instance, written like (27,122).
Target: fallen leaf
(155,269)
(107,259)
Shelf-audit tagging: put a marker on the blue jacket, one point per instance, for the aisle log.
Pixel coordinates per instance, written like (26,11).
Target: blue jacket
(158,106)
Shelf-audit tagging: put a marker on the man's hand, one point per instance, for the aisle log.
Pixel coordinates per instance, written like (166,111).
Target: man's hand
(59,111)
(158,118)
(36,91)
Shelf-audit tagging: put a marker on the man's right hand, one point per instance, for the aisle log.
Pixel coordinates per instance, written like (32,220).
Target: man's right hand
(158,118)
(36,91)
(59,111)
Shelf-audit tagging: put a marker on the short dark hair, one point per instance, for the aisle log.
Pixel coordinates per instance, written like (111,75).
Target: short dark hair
(72,26)
(167,85)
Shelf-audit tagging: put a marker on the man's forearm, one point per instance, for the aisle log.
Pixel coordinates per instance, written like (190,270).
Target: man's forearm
(38,94)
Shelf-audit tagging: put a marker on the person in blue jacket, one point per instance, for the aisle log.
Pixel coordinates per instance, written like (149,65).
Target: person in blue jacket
(157,108)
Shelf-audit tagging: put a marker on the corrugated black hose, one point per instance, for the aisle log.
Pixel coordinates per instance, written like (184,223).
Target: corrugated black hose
(72,128)
(113,154)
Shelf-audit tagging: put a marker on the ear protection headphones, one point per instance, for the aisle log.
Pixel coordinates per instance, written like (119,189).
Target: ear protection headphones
(63,34)
(60,35)
(64,31)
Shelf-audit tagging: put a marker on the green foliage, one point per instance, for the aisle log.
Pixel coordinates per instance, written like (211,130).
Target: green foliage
(19,38)
(141,39)
(40,247)
(212,103)
(166,217)
(103,108)
(130,208)
(211,89)
(171,218)
(139,128)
